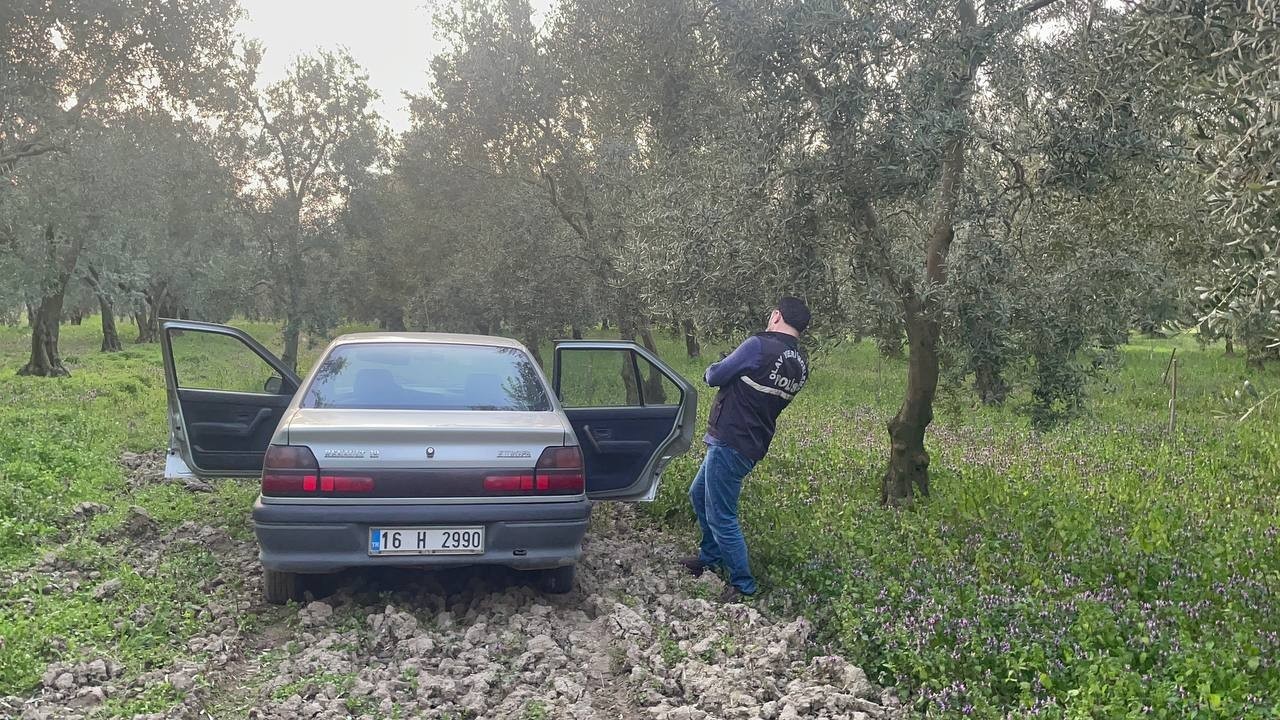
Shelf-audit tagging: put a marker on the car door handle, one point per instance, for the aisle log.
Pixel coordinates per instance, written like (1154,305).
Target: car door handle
(591,439)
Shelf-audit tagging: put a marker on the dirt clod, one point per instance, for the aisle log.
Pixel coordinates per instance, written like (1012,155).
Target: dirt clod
(634,640)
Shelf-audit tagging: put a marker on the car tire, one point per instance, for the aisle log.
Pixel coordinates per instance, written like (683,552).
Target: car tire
(280,587)
(557,581)
(322,586)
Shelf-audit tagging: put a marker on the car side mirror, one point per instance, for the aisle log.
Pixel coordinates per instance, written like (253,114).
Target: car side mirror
(273,385)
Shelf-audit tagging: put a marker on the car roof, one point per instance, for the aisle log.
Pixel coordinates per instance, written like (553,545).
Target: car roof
(425,337)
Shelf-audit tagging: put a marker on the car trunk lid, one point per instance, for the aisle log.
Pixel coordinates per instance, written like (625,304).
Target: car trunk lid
(426,453)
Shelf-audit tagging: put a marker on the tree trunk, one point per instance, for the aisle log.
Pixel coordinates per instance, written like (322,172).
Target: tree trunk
(77,317)
(110,337)
(156,304)
(147,330)
(654,392)
(691,345)
(991,388)
(627,331)
(908,460)
(576,332)
(393,319)
(292,331)
(1231,348)
(533,342)
(45,360)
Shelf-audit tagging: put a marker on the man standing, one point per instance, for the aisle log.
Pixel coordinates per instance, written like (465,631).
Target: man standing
(756,382)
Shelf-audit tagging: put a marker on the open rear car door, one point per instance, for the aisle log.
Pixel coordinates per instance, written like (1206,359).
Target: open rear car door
(226,394)
(631,413)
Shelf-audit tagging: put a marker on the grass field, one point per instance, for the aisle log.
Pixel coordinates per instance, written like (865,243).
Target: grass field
(1104,569)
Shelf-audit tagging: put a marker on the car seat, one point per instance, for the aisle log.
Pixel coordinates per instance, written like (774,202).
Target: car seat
(485,390)
(377,386)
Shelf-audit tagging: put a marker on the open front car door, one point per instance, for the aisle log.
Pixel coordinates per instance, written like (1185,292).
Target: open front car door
(631,413)
(226,394)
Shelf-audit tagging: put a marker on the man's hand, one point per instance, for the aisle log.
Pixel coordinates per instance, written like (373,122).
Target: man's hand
(733,364)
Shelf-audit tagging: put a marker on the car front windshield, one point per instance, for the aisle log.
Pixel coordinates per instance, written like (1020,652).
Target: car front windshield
(426,376)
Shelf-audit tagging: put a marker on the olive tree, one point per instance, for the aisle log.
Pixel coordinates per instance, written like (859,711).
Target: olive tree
(1214,67)
(70,65)
(308,138)
(886,100)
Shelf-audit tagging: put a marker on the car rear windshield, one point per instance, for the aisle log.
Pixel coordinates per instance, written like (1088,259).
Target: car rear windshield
(426,376)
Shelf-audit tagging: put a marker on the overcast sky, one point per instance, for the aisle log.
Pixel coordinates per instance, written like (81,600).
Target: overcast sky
(392,39)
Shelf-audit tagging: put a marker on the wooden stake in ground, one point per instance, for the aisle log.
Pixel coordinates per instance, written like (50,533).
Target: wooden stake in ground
(1165,379)
(1173,395)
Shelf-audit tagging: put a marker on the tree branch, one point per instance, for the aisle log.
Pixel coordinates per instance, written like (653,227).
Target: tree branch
(275,134)
(29,149)
(305,180)
(1012,18)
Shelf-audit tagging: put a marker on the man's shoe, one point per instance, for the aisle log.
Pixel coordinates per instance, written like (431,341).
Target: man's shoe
(732,594)
(694,565)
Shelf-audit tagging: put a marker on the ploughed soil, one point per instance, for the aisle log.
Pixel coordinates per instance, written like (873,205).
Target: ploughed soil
(637,638)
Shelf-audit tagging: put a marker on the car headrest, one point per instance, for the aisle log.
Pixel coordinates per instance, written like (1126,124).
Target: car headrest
(376,385)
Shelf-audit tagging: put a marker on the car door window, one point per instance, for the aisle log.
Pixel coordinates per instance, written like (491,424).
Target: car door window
(630,413)
(599,378)
(656,387)
(213,361)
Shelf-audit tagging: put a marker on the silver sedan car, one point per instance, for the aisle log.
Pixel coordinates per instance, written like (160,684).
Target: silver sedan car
(422,449)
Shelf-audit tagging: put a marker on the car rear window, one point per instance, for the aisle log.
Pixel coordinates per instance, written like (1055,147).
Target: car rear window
(426,376)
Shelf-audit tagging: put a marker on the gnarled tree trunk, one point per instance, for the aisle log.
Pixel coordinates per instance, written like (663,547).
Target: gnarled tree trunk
(147,330)
(533,341)
(908,460)
(292,332)
(908,469)
(110,336)
(392,319)
(989,385)
(627,331)
(691,345)
(654,392)
(157,304)
(45,359)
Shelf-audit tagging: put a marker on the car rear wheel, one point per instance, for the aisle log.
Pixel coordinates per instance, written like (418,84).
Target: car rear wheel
(557,581)
(280,587)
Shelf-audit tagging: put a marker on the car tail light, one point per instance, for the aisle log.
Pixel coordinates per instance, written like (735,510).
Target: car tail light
(559,470)
(357,484)
(293,470)
(289,470)
(508,483)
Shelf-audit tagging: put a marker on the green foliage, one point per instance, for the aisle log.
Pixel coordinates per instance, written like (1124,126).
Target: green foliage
(1213,74)
(1101,569)
(60,447)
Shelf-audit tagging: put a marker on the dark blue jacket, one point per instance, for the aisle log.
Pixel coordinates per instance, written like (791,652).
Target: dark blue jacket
(756,382)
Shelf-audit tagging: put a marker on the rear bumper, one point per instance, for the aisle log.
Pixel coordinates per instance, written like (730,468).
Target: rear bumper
(330,538)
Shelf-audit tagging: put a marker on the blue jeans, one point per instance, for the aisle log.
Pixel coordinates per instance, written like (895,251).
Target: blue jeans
(714,495)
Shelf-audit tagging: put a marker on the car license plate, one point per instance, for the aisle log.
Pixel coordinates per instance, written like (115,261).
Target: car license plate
(426,541)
